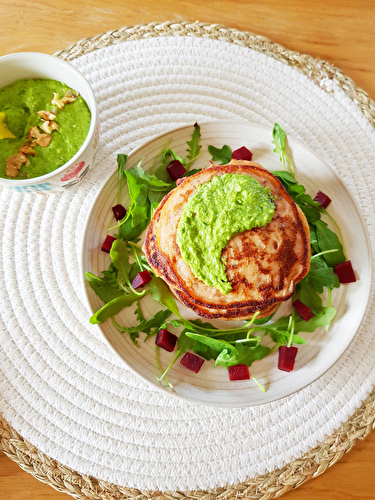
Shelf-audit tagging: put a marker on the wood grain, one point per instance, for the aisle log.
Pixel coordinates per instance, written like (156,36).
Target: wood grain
(341,32)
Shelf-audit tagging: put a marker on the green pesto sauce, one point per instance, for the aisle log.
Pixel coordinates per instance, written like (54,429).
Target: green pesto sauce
(227,205)
(21,102)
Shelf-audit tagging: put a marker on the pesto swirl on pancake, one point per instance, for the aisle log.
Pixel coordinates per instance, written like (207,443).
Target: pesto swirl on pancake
(262,264)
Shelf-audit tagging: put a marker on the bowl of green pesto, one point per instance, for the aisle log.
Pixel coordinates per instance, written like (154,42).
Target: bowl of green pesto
(49,124)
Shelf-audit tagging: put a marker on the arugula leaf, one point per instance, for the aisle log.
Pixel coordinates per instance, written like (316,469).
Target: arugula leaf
(279,331)
(282,337)
(150,181)
(150,327)
(196,326)
(224,155)
(138,312)
(121,163)
(161,293)
(279,139)
(215,344)
(314,239)
(328,240)
(114,307)
(153,325)
(184,343)
(286,178)
(318,277)
(309,296)
(194,147)
(309,207)
(138,216)
(321,275)
(106,288)
(139,208)
(322,238)
(120,259)
(241,355)
(204,351)
(315,322)
(170,153)
(129,232)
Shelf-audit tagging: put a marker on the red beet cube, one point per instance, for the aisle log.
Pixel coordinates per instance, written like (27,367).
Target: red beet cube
(242,154)
(176,170)
(287,357)
(141,279)
(166,340)
(107,244)
(192,362)
(239,372)
(119,212)
(303,310)
(345,272)
(322,199)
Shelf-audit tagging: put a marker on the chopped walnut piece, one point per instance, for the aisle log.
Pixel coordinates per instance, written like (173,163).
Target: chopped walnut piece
(60,103)
(14,164)
(47,115)
(56,101)
(27,149)
(48,126)
(42,139)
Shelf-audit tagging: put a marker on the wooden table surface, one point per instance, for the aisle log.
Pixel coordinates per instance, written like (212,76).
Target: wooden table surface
(341,32)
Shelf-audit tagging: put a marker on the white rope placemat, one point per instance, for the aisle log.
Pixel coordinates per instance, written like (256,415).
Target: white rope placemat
(61,387)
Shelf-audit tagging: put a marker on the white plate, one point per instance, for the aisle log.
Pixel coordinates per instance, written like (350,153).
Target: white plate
(211,386)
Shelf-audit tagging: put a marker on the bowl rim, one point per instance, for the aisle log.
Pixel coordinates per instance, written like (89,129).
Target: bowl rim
(91,102)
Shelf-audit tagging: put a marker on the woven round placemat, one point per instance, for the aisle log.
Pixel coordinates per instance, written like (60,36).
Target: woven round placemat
(314,462)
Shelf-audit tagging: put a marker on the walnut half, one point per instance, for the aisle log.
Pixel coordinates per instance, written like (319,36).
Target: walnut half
(47,115)
(60,103)
(27,149)
(48,126)
(42,140)
(14,164)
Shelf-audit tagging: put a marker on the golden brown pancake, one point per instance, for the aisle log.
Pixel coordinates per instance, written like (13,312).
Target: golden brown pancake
(263,264)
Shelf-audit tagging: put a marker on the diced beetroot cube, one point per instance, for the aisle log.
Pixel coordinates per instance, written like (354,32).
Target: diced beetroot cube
(242,154)
(176,170)
(303,310)
(166,340)
(345,272)
(141,279)
(192,362)
(107,244)
(239,372)
(322,199)
(287,357)
(119,212)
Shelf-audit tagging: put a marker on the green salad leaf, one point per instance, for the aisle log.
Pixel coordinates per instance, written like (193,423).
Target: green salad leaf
(241,355)
(113,307)
(224,155)
(279,140)
(194,148)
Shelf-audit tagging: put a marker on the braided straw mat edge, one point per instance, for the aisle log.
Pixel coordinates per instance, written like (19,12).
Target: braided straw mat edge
(262,487)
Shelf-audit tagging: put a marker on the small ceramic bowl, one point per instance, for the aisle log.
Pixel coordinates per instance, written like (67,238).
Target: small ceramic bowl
(26,65)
